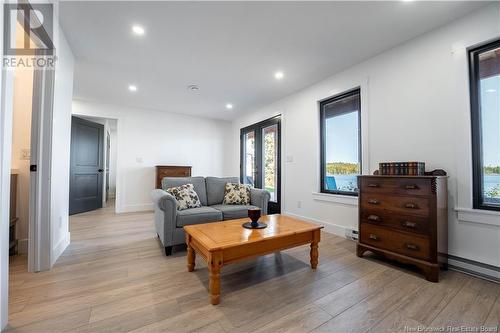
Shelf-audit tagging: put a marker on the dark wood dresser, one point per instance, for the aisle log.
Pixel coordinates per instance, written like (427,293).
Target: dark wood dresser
(405,218)
(163,171)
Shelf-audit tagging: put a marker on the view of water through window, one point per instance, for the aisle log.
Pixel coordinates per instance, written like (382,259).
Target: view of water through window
(342,152)
(490,124)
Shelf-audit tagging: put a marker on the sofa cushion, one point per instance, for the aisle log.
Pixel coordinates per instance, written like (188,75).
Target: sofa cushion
(216,187)
(236,194)
(185,196)
(198,183)
(197,216)
(230,212)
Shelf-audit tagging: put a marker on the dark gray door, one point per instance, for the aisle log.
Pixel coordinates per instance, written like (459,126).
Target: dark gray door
(86,170)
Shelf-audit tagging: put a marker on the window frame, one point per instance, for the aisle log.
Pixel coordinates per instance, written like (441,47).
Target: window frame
(476,129)
(321,104)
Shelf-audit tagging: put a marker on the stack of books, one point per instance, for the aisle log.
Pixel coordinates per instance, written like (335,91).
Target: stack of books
(402,168)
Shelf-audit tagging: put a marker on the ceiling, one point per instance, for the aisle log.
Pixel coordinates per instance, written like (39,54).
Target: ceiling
(231,49)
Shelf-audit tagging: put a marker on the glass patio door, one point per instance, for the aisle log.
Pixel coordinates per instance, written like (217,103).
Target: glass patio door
(260,159)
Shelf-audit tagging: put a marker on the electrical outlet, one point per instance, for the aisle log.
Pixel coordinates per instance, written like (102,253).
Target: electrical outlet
(289,158)
(351,234)
(299,204)
(139,159)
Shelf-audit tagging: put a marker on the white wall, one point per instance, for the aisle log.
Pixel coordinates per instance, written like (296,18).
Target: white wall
(416,107)
(61,137)
(21,136)
(146,138)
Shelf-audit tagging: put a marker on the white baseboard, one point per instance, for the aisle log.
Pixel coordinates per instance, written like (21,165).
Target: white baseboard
(59,248)
(136,208)
(328,227)
(485,271)
(22,246)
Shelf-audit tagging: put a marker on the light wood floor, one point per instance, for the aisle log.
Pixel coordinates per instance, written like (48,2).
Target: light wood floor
(114,277)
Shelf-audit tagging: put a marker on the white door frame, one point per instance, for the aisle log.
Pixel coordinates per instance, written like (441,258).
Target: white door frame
(6,99)
(39,230)
(39,253)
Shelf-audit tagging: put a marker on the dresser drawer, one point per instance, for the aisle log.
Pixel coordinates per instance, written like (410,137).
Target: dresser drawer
(402,186)
(396,204)
(399,242)
(409,223)
(174,173)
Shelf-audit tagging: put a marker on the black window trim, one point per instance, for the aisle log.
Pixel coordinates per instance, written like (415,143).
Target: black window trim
(275,120)
(476,130)
(321,103)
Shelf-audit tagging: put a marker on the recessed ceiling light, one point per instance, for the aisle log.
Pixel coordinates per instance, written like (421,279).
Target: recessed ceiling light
(491,90)
(193,87)
(138,30)
(279,75)
(229,106)
(132,88)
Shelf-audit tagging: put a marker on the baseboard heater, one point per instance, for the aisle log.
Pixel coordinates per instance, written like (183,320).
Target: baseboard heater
(475,268)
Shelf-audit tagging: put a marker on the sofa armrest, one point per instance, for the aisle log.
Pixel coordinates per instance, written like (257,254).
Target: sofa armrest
(165,207)
(163,200)
(260,198)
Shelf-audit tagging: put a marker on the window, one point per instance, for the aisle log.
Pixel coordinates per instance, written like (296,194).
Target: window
(341,143)
(484,65)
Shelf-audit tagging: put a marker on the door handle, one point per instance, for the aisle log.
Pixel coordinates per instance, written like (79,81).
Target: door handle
(100,170)
(373,202)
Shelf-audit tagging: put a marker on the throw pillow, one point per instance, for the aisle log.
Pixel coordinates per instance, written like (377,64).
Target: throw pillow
(186,196)
(236,194)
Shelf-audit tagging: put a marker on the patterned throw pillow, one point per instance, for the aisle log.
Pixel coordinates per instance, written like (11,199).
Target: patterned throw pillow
(236,194)
(186,196)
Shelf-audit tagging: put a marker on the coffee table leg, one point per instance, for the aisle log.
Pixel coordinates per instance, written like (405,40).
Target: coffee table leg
(214,266)
(314,249)
(191,255)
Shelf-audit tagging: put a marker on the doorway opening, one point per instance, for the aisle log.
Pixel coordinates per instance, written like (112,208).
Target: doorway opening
(260,159)
(22,114)
(93,163)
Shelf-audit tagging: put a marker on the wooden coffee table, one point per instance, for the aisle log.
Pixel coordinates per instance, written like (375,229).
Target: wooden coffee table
(222,243)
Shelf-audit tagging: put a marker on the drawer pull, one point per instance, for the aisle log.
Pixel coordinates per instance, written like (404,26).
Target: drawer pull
(373,202)
(373,218)
(412,187)
(374,237)
(411,205)
(409,224)
(412,247)
(373,185)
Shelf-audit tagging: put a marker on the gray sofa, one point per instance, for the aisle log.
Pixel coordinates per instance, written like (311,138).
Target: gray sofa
(169,221)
